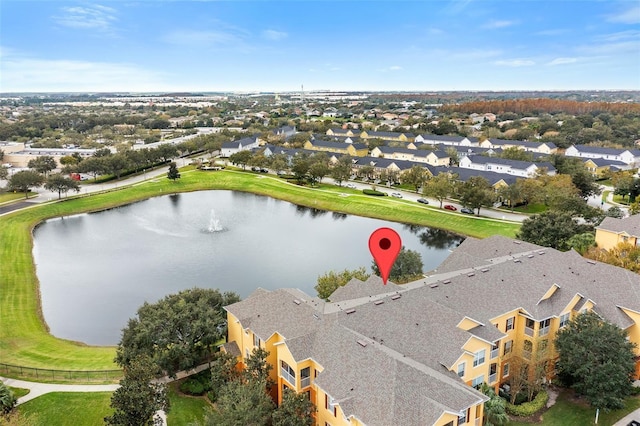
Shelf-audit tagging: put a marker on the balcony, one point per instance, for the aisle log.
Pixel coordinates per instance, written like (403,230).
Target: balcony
(288,377)
(529,331)
(495,352)
(544,331)
(493,377)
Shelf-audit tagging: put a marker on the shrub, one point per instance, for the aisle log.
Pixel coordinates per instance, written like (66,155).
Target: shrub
(373,192)
(529,408)
(8,400)
(198,384)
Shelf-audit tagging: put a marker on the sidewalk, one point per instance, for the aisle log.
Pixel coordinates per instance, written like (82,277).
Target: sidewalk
(39,389)
(628,418)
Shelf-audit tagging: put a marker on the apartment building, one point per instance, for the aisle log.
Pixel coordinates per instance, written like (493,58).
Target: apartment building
(415,354)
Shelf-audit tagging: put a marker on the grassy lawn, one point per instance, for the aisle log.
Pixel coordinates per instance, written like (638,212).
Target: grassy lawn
(186,410)
(618,199)
(605,194)
(68,408)
(19,392)
(570,413)
(5,197)
(531,208)
(24,338)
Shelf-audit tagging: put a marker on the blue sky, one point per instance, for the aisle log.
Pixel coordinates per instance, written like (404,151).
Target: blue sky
(240,45)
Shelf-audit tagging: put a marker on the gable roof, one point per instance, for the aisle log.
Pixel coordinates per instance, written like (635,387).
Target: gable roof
(629,225)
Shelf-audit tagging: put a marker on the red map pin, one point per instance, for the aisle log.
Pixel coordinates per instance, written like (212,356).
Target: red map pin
(384,245)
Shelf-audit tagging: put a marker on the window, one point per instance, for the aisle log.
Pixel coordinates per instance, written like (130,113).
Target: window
(462,417)
(505,370)
(288,373)
(478,357)
(461,367)
(510,322)
(508,347)
(542,345)
(564,319)
(477,381)
(305,377)
(256,340)
(530,323)
(330,404)
(246,353)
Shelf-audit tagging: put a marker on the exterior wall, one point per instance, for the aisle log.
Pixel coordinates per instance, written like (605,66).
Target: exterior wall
(609,239)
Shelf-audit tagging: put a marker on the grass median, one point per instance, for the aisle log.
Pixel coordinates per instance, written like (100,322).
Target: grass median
(24,338)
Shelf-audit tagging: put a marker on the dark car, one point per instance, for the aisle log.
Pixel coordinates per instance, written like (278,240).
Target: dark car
(450,207)
(466,210)
(422,201)
(633,423)
(264,171)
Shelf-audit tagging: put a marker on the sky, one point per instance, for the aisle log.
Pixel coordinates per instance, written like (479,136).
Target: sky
(158,45)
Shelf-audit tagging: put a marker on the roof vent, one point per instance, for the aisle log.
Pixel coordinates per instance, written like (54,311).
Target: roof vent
(396,297)
(592,262)
(433,285)
(316,316)
(530,256)
(471,274)
(350,311)
(296,301)
(540,252)
(378,302)
(484,270)
(446,282)
(516,242)
(517,261)
(362,343)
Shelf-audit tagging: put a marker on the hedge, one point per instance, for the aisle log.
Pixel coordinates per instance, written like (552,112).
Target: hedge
(373,192)
(529,408)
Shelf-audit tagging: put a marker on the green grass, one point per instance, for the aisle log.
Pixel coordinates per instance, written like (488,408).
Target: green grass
(569,413)
(185,409)
(5,197)
(605,194)
(19,392)
(532,208)
(68,408)
(24,338)
(618,199)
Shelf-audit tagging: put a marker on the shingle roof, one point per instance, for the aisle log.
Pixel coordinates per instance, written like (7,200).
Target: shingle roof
(630,225)
(355,289)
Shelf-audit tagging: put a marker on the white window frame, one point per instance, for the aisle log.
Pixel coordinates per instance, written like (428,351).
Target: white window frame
(505,370)
(564,319)
(479,357)
(477,381)
(464,367)
(513,324)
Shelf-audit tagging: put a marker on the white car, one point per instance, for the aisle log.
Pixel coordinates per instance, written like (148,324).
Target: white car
(396,194)
(350,185)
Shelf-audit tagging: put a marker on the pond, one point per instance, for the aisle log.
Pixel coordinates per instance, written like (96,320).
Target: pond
(97,269)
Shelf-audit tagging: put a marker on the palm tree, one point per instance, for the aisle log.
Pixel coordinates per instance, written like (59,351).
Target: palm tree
(495,408)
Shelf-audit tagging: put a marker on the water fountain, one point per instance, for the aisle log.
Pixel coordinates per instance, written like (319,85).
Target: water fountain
(214,223)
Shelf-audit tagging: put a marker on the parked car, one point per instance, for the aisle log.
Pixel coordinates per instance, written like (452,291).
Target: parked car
(450,207)
(423,201)
(396,194)
(255,169)
(466,210)
(350,185)
(264,171)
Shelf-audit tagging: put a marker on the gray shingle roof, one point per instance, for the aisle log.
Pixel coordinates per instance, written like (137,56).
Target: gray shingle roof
(356,289)
(630,225)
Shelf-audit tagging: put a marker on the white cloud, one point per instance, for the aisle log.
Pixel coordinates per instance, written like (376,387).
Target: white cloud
(498,24)
(23,74)
(214,38)
(562,61)
(629,16)
(622,35)
(515,63)
(395,68)
(274,35)
(554,32)
(95,17)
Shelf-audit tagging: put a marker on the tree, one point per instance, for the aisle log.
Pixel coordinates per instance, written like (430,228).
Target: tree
(615,211)
(117,164)
(242,403)
(581,242)
(319,167)
(295,410)
(341,170)
(330,281)
(624,255)
(596,360)
(177,332)
(223,370)
(634,208)
(495,409)
(513,193)
(300,167)
(241,158)
(551,229)
(476,192)
(173,172)
(4,172)
(43,164)
(93,166)
(439,187)
(516,153)
(59,183)
(416,176)
(408,266)
(139,396)
(24,180)
(8,400)
(278,163)
(257,368)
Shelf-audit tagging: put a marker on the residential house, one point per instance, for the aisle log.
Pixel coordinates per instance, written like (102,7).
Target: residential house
(353,149)
(523,169)
(434,158)
(529,146)
(380,164)
(600,166)
(415,354)
(496,180)
(391,136)
(343,132)
(613,231)
(244,144)
(285,131)
(627,156)
(447,140)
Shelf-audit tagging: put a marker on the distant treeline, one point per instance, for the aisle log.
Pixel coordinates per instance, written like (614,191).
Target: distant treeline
(542,105)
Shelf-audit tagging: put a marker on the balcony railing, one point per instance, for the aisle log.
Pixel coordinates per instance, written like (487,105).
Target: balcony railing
(544,331)
(495,353)
(288,377)
(305,381)
(529,331)
(526,354)
(493,377)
